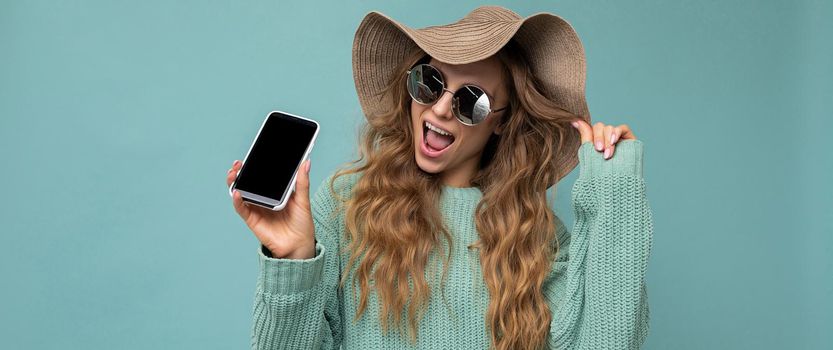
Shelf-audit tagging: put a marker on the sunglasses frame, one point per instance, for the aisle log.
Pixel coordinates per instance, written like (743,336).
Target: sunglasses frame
(442,80)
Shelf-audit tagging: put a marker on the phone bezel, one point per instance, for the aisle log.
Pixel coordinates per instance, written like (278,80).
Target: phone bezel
(267,202)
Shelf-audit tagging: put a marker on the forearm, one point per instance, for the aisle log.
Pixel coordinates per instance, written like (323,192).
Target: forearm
(604,301)
(289,304)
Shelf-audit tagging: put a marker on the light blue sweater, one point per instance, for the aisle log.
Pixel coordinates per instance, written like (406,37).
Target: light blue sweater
(596,290)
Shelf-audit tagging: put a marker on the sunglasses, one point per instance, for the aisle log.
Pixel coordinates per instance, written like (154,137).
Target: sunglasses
(470,104)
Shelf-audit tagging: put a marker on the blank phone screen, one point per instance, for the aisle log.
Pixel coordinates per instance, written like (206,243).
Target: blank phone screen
(275,155)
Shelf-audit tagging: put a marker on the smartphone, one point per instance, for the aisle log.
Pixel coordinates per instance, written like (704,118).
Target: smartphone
(267,177)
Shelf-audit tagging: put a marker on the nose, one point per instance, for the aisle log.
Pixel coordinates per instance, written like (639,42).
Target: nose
(442,108)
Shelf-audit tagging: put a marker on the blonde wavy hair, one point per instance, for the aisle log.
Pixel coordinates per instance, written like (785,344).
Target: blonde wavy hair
(394,223)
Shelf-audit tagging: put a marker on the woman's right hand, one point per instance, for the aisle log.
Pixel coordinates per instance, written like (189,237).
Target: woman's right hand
(288,233)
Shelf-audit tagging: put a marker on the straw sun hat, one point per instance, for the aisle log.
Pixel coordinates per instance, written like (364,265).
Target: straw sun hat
(551,46)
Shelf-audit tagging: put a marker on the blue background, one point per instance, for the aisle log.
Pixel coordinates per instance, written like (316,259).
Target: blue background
(119,119)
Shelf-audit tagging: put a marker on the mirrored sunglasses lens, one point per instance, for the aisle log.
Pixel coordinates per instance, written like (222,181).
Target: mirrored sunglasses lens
(471,105)
(425,83)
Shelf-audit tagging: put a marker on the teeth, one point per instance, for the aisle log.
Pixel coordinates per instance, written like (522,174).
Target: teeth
(437,130)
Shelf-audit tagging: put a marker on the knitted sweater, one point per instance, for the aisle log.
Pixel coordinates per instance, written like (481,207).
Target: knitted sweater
(596,289)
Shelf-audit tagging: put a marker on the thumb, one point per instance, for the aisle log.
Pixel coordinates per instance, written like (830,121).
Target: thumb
(584,129)
(302,187)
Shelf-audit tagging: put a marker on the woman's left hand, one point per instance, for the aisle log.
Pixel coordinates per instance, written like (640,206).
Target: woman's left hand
(604,137)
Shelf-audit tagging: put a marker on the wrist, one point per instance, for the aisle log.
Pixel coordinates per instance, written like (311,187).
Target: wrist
(626,160)
(303,252)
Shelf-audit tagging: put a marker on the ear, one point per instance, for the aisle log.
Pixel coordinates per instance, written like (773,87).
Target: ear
(501,123)
(498,129)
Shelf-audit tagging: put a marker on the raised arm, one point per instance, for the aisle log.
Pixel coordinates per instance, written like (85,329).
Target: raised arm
(297,302)
(597,286)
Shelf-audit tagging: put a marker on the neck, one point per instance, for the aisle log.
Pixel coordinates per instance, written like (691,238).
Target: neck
(461,175)
(457,183)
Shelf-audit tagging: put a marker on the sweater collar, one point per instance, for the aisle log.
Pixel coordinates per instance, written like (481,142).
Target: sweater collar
(462,193)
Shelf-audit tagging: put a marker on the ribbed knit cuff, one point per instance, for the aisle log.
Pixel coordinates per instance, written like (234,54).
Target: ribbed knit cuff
(626,160)
(289,276)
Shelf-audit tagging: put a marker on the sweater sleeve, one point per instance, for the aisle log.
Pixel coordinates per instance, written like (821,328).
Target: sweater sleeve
(297,302)
(596,288)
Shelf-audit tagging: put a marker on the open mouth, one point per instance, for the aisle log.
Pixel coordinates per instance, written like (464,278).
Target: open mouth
(435,138)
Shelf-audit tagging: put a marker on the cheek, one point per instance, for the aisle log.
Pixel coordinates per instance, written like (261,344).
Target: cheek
(417,110)
(476,139)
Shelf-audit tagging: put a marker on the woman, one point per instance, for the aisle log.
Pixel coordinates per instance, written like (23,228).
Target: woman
(440,235)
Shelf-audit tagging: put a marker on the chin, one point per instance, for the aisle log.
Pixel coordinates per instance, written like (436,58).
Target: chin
(428,166)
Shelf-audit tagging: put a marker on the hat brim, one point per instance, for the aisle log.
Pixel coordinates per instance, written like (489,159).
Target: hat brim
(550,43)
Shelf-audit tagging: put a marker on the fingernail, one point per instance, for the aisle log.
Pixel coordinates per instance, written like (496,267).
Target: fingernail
(607,153)
(613,137)
(236,162)
(599,145)
(575,124)
(306,169)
